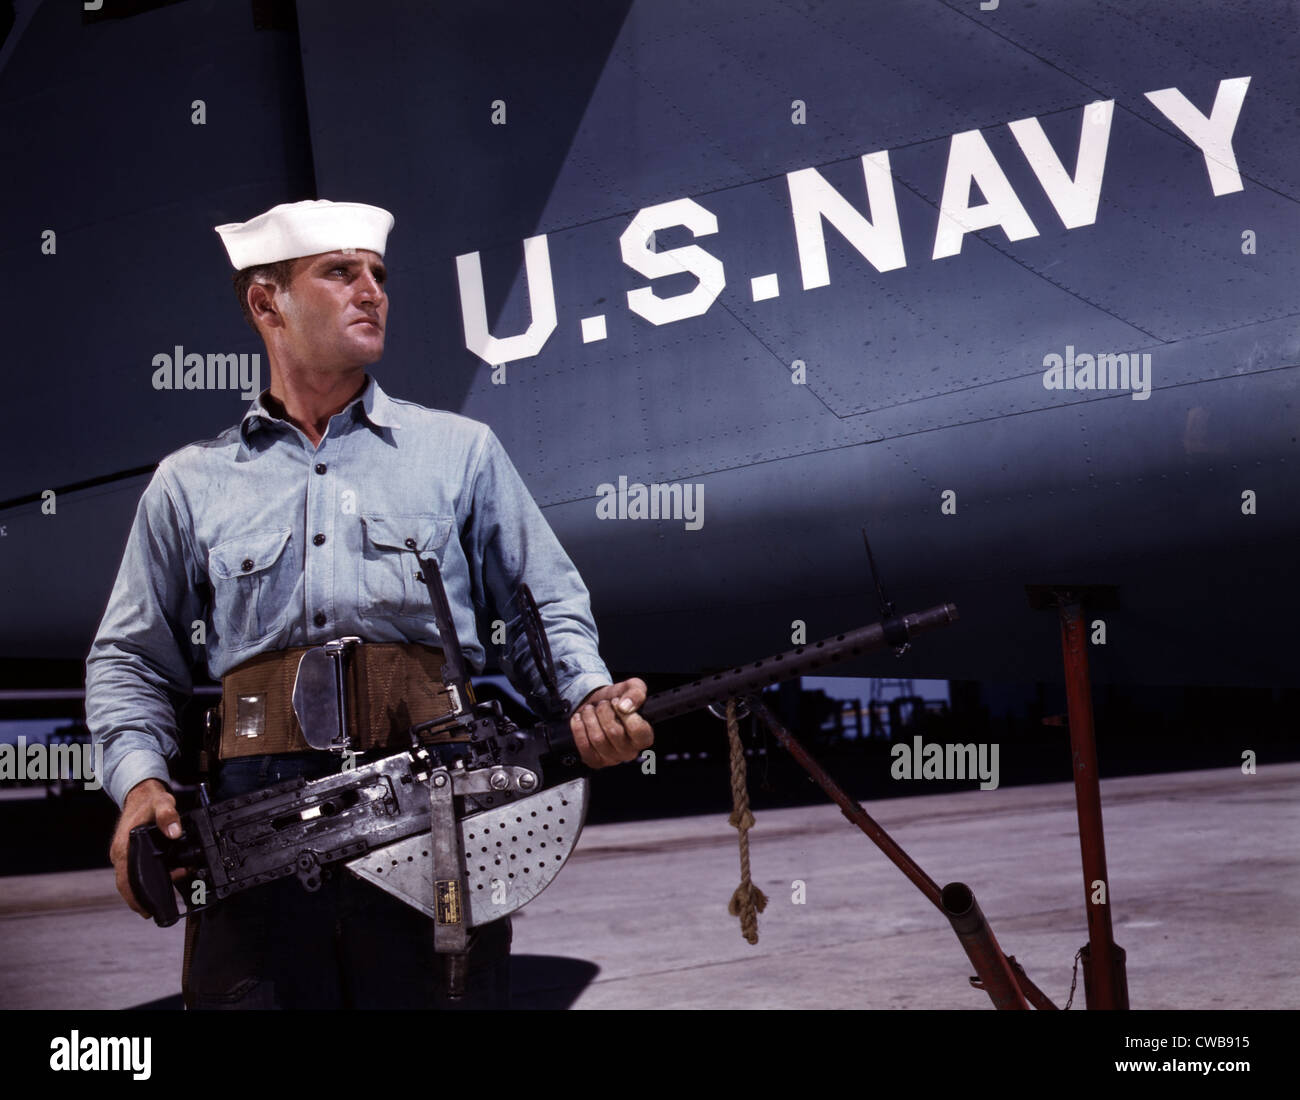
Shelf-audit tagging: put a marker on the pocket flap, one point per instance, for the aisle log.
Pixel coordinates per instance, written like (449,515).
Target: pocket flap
(423,532)
(247,554)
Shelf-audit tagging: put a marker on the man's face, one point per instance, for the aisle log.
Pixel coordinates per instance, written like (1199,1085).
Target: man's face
(335,310)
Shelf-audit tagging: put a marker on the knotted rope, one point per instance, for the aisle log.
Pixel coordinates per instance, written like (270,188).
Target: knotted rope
(748,900)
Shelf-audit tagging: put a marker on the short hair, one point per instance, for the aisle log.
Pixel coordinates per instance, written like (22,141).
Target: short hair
(277,274)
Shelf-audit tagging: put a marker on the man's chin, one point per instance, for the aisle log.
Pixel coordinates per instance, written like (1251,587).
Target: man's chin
(368,342)
(371,352)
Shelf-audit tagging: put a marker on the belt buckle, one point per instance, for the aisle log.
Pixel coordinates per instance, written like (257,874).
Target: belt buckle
(322,698)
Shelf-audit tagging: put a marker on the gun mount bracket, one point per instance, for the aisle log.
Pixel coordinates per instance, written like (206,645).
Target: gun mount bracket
(512,853)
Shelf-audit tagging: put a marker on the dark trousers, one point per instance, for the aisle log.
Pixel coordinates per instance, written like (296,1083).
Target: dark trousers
(347,945)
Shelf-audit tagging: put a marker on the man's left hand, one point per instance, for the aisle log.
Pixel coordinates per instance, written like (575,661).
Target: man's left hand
(606,726)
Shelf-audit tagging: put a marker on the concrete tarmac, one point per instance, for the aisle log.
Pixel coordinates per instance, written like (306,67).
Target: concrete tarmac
(1204,878)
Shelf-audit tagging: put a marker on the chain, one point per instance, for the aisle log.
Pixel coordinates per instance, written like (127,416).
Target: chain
(1074,981)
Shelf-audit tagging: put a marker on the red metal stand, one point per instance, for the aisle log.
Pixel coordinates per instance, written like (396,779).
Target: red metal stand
(1104,976)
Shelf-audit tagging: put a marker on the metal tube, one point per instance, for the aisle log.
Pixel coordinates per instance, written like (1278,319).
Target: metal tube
(1105,985)
(996,978)
(848,806)
(994,970)
(1033,994)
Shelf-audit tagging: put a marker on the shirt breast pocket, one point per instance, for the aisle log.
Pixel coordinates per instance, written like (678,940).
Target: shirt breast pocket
(251,586)
(391,585)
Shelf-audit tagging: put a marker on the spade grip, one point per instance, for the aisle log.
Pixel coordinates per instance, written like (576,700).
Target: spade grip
(149,875)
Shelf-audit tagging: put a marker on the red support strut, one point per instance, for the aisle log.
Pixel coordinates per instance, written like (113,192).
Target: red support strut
(1105,980)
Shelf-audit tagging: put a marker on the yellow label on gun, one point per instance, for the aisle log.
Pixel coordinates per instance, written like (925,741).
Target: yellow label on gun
(447,905)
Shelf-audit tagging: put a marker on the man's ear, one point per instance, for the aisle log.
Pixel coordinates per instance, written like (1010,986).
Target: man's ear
(262,304)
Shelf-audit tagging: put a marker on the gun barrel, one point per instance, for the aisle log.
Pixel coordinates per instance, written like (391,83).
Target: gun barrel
(799,661)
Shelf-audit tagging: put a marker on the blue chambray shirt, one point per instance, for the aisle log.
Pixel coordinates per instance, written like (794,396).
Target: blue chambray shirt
(273,543)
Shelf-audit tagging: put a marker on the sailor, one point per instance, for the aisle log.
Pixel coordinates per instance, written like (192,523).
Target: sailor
(298,526)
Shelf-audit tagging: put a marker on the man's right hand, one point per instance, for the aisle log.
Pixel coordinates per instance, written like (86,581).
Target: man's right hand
(147,803)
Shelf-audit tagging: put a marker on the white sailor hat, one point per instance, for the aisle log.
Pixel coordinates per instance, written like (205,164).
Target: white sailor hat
(306,228)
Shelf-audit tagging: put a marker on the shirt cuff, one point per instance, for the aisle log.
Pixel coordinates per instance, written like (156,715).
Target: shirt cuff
(134,769)
(577,689)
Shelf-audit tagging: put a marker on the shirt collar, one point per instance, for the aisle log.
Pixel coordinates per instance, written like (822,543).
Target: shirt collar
(372,406)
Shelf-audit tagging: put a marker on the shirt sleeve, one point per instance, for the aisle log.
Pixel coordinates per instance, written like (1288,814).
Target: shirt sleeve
(138,669)
(507,540)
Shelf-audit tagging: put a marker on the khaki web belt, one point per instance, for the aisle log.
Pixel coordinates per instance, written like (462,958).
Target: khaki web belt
(395,685)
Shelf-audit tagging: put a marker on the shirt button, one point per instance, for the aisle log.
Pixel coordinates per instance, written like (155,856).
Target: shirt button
(247,564)
(318,539)
(410,544)
(321,467)
(319,620)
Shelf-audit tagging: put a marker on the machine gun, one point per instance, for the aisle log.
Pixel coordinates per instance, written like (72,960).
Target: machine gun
(466,831)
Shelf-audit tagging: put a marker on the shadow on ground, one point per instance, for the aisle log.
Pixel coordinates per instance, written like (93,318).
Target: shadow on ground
(538,981)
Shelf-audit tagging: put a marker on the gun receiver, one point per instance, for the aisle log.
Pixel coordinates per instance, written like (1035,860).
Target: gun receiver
(301,826)
(514,787)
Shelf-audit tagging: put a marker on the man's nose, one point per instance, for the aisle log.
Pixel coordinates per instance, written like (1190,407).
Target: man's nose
(370,289)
